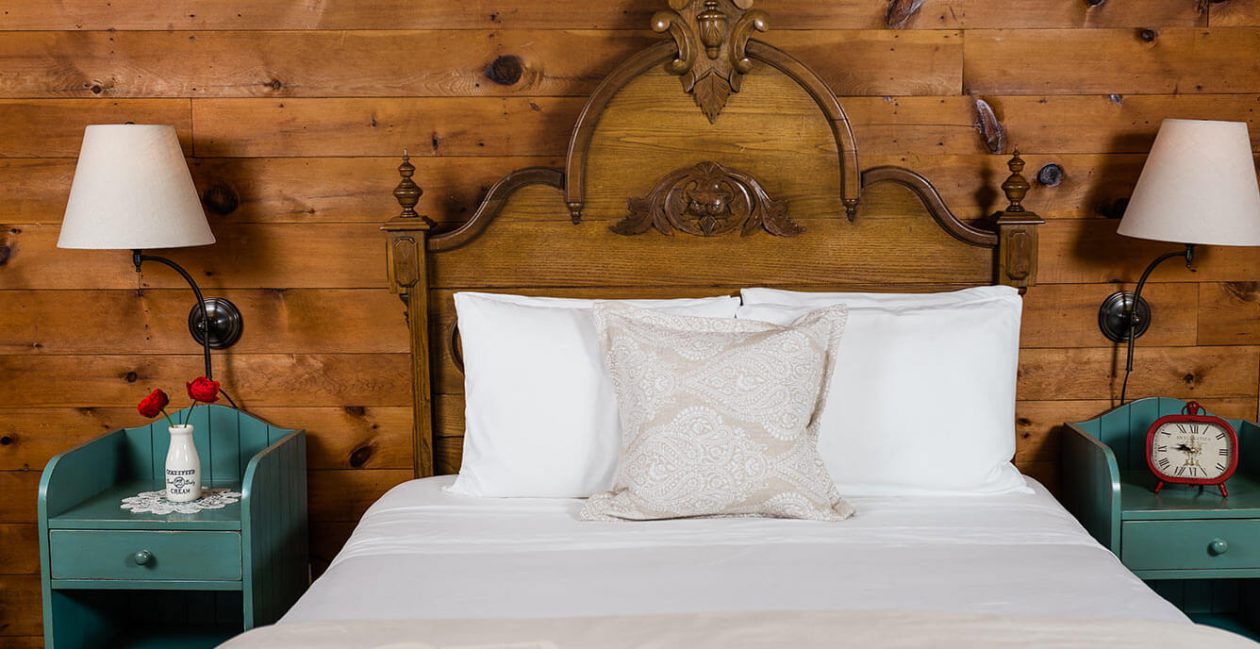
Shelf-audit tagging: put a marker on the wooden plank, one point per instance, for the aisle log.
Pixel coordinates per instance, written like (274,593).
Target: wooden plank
(1229,313)
(349,437)
(343,255)
(20,608)
(48,128)
(1125,61)
(254,379)
(984,14)
(382,127)
(1090,251)
(444,63)
(1109,123)
(18,492)
(156,321)
(1181,372)
(1066,315)
(29,437)
(21,544)
(346,495)
(400,14)
(577,14)
(1237,13)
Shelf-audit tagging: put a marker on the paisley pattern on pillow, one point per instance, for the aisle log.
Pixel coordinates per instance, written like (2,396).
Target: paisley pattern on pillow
(719,417)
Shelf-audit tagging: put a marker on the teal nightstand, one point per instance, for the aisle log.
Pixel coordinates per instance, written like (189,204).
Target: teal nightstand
(1197,549)
(114,578)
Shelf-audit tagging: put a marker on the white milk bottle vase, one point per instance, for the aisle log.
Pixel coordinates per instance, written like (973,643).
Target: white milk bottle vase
(183,466)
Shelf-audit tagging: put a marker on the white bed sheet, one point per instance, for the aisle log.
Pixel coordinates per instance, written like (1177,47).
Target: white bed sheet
(422,554)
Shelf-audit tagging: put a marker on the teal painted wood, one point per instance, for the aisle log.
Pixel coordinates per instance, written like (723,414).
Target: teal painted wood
(1167,537)
(1090,484)
(275,494)
(81,523)
(103,512)
(1192,545)
(112,554)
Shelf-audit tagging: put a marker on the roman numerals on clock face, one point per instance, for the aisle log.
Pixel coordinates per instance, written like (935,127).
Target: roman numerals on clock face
(1191,451)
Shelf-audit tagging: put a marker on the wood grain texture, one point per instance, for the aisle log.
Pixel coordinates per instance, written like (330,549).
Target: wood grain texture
(43,128)
(258,379)
(343,496)
(338,437)
(1142,61)
(1196,372)
(156,321)
(262,255)
(14,537)
(1229,313)
(577,14)
(445,63)
(20,607)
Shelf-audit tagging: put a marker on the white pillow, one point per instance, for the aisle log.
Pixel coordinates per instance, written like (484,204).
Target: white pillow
(923,397)
(541,413)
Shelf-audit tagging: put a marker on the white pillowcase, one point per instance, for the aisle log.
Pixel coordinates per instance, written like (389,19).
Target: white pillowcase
(922,401)
(541,413)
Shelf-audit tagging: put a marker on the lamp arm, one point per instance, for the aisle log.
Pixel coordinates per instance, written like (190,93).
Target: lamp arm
(1188,255)
(139,258)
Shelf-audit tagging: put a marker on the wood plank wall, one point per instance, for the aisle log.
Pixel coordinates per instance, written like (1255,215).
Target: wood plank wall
(293,112)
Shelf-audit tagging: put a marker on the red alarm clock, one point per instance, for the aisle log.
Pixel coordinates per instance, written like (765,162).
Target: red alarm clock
(1192,448)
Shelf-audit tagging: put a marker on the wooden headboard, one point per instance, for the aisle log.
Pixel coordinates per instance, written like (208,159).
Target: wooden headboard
(704,163)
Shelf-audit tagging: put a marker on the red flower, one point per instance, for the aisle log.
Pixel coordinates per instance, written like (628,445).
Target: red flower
(152,405)
(203,390)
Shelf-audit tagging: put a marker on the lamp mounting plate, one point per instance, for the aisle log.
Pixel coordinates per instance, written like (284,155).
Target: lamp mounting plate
(226,324)
(1113,316)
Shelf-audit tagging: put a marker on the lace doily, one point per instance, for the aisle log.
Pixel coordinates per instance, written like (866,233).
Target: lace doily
(155,502)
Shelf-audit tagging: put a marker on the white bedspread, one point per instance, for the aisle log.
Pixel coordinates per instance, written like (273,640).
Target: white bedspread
(422,554)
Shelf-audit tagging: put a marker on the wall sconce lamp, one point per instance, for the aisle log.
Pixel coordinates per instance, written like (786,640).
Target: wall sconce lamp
(1198,187)
(133,191)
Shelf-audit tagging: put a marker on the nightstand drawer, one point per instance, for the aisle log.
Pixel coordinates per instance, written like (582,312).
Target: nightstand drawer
(192,556)
(1191,545)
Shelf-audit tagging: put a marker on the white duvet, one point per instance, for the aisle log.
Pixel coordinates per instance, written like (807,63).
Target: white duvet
(422,554)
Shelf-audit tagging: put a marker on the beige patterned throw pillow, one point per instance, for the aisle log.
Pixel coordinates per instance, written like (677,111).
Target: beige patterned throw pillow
(719,416)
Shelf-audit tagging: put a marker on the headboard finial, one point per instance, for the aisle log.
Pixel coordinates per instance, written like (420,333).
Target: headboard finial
(1016,186)
(407,192)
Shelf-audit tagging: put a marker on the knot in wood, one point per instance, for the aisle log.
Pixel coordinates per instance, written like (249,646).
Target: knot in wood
(6,253)
(1050,175)
(1148,35)
(506,70)
(6,440)
(220,199)
(360,456)
(131,377)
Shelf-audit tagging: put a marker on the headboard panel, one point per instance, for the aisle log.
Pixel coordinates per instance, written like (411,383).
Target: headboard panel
(671,190)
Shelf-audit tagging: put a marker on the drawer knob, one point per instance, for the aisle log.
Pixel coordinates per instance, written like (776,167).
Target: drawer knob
(143,557)
(1218,547)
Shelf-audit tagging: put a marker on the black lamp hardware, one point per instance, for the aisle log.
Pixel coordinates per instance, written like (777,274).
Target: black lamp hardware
(1124,316)
(215,323)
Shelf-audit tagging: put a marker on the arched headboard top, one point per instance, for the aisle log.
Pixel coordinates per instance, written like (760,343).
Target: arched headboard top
(706,162)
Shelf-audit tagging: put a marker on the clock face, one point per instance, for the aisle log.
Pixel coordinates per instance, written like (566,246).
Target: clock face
(1191,451)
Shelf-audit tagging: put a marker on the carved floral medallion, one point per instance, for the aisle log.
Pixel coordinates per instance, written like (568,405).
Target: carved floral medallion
(708,200)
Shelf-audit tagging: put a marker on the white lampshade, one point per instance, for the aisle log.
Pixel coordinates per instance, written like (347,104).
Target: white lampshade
(1198,186)
(132,190)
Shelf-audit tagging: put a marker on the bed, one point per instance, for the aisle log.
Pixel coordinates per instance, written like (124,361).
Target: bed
(708,162)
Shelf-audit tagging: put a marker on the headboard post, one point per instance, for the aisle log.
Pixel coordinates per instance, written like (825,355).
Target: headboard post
(1017,232)
(406,261)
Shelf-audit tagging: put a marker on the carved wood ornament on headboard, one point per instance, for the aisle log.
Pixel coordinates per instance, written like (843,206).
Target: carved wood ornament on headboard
(705,162)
